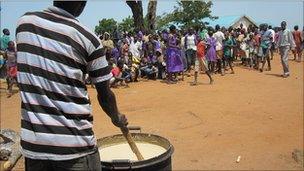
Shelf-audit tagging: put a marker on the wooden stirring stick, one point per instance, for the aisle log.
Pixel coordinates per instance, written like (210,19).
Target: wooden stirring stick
(127,135)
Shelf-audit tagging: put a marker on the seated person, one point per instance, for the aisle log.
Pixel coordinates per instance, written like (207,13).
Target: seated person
(161,65)
(148,69)
(116,71)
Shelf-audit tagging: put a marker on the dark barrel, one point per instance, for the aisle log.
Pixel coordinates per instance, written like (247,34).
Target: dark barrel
(158,163)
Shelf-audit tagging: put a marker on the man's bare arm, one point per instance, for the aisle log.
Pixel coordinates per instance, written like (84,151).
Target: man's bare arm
(107,101)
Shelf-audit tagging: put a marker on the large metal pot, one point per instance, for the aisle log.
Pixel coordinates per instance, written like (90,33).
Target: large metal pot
(158,163)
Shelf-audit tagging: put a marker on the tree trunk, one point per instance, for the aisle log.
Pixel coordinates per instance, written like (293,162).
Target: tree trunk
(151,15)
(137,11)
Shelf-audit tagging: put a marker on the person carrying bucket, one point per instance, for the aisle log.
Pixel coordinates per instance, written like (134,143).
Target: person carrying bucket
(54,52)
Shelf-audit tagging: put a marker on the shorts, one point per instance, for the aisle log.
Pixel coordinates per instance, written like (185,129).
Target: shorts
(263,53)
(190,56)
(219,54)
(200,64)
(12,71)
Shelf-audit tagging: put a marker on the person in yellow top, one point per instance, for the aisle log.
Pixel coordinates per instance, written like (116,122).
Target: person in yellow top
(108,45)
(107,42)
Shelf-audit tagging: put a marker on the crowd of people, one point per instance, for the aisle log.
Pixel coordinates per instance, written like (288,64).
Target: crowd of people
(172,54)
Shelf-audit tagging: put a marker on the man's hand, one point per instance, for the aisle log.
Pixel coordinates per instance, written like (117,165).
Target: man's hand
(120,121)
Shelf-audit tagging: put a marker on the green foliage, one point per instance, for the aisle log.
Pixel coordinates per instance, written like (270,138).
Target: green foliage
(164,21)
(187,14)
(127,24)
(105,25)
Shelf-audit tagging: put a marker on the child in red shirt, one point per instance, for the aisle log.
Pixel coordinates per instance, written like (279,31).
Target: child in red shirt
(117,75)
(200,61)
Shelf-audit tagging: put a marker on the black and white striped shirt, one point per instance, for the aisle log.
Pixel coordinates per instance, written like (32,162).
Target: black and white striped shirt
(54,52)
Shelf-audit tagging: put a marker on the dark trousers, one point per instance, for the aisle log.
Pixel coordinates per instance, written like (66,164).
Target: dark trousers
(89,162)
(190,56)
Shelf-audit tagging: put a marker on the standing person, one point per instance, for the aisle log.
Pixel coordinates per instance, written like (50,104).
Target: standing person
(272,48)
(211,52)
(150,49)
(257,40)
(235,45)
(285,43)
(56,124)
(252,50)
(4,39)
(125,51)
(298,40)
(115,54)
(264,48)
(108,45)
(219,37)
(135,47)
(173,55)
(11,66)
(190,46)
(228,45)
(183,50)
(200,61)
(107,42)
(204,34)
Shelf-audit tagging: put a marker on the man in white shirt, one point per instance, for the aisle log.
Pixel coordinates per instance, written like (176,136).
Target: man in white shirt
(285,43)
(219,37)
(190,46)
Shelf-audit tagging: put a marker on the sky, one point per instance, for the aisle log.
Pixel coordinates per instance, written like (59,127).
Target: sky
(269,11)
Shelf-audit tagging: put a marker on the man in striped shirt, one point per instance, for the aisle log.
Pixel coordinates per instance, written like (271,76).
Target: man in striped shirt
(54,52)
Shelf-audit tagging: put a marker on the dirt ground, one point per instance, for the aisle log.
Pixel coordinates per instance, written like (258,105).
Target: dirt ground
(258,116)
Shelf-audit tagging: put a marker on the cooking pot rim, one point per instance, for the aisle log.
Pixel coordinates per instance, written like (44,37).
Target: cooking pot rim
(148,162)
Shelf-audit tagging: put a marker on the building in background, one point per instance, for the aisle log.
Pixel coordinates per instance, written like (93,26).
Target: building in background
(231,21)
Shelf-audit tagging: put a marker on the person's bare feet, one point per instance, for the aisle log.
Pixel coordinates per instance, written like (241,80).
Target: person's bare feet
(285,75)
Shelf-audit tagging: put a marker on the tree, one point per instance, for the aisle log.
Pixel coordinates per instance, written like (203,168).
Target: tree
(137,11)
(105,25)
(163,21)
(140,22)
(127,24)
(188,14)
(151,15)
